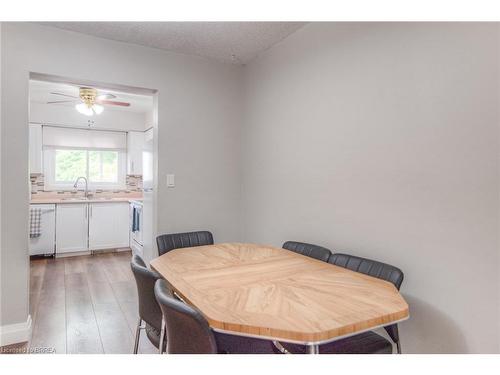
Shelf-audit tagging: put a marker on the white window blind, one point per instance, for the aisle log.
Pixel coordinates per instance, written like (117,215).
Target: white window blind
(82,138)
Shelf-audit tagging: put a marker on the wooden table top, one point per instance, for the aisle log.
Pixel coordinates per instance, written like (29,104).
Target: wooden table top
(275,293)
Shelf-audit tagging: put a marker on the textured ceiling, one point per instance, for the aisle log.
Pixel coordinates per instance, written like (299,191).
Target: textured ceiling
(232,42)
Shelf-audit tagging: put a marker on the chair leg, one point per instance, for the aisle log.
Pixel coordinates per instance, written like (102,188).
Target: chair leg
(162,335)
(398,347)
(280,347)
(137,334)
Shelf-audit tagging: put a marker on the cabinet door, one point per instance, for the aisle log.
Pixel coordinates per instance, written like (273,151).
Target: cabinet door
(135,144)
(109,225)
(71,227)
(35,148)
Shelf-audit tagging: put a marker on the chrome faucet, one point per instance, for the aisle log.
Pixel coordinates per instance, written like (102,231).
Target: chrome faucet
(86,185)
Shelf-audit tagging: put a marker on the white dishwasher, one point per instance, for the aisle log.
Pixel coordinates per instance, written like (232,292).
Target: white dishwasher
(45,244)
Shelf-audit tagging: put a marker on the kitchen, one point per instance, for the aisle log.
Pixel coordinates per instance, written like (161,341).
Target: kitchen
(86,169)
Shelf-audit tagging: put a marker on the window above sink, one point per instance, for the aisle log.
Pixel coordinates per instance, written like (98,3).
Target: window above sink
(99,156)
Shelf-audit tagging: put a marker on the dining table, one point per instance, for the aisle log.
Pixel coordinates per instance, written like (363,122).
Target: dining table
(271,293)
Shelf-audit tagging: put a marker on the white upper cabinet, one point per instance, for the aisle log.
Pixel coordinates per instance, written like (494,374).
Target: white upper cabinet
(135,145)
(109,225)
(35,148)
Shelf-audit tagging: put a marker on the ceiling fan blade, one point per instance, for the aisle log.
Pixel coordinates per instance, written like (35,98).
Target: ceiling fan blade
(105,96)
(63,101)
(110,102)
(60,93)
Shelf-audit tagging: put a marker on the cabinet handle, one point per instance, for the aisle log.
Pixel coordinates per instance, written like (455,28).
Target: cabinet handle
(90,210)
(133,169)
(86,212)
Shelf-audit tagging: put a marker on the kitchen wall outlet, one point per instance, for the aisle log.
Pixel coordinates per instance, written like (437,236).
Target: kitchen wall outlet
(170,180)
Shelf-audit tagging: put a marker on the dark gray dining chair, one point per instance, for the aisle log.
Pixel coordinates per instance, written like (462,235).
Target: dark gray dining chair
(167,242)
(187,331)
(149,310)
(367,342)
(307,249)
(376,269)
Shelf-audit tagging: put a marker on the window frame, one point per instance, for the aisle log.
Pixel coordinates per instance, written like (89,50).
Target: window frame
(49,169)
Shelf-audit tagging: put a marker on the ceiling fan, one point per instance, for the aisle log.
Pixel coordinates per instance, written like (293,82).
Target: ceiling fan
(92,101)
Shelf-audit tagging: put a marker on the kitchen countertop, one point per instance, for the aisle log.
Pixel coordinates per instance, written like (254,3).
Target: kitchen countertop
(81,200)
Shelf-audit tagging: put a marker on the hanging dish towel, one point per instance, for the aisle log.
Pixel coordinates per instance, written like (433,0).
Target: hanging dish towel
(35,222)
(136,225)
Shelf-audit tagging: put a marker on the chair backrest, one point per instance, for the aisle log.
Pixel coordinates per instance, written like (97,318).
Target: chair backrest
(369,267)
(149,310)
(167,242)
(188,331)
(310,250)
(376,269)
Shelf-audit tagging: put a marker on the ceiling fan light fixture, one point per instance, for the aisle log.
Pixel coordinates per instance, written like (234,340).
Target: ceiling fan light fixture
(91,101)
(84,109)
(98,109)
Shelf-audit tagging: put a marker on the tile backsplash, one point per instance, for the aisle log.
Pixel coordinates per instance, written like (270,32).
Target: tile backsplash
(133,187)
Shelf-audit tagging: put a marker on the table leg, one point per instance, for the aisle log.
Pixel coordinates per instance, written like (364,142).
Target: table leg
(312,349)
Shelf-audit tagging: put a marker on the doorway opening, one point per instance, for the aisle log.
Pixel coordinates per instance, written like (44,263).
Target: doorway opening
(93,203)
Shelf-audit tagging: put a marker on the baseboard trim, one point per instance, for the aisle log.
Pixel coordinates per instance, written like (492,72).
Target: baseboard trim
(15,333)
(74,254)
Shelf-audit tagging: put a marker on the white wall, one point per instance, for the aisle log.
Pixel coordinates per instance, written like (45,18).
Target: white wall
(198,133)
(382,140)
(67,116)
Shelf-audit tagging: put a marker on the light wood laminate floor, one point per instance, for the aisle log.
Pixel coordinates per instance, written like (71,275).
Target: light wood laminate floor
(85,304)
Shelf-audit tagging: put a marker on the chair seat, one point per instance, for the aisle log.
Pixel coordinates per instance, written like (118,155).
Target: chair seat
(231,344)
(153,335)
(364,343)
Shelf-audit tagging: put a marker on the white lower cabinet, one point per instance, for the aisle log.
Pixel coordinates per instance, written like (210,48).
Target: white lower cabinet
(71,228)
(91,226)
(109,225)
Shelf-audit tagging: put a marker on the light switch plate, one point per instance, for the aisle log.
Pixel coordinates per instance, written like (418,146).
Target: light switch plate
(170,180)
